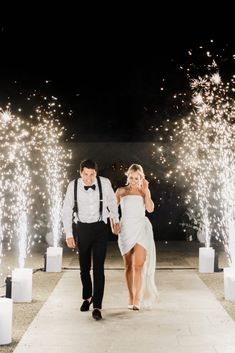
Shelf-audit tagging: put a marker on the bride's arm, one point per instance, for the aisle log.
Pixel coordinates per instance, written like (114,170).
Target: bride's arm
(149,205)
(115,229)
(118,196)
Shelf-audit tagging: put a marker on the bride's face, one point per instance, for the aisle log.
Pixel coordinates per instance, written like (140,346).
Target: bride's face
(134,179)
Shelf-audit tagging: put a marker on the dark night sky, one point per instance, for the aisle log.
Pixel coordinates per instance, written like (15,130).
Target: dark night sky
(108,64)
(107,68)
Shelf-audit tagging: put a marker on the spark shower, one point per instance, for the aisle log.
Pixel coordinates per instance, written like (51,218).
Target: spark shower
(33,166)
(199,155)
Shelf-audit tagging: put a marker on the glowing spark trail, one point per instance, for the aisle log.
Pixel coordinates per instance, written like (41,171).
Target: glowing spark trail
(33,167)
(15,180)
(53,160)
(5,171)
(1,216)
(201,151)
(21,179)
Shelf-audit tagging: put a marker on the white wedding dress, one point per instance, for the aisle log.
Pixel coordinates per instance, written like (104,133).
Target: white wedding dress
(137,229)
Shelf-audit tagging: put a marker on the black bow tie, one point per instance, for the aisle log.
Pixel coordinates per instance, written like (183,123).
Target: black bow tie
(90,186)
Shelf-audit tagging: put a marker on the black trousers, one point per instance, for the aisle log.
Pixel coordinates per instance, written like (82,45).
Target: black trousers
(92,245)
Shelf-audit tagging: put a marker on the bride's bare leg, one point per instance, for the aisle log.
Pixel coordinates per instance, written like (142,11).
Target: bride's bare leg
(129,274)
(139,256)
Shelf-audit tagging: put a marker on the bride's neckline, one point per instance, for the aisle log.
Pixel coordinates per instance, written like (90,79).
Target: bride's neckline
(131,195)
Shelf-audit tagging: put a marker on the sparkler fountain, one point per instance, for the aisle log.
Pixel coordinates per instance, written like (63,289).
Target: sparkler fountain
(195,156)
(14,184)
(15,199)
(216,172)
(204,153)
(1,215)
(6,304)
(19,157)
(5,172)
(226,221)
(53,159)
(18,138)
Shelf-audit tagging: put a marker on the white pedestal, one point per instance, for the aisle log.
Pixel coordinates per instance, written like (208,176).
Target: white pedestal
(6,306)
(206,260)
(229,283)
(54,259)
(22,279)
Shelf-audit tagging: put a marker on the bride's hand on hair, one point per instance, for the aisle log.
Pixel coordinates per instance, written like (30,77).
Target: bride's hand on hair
(144,185)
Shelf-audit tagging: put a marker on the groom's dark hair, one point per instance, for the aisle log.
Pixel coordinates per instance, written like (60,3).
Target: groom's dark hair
(88,163)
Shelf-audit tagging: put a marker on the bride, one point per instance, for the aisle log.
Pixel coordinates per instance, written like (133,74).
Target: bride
(136,240)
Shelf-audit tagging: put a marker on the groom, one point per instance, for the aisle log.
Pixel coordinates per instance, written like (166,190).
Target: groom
(96,202)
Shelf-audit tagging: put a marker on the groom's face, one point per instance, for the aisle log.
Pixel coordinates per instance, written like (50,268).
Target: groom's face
(88,176)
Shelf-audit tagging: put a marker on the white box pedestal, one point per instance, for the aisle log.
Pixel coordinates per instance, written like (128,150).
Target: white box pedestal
(54,259)
(22,279)
(229,283)
(6,306)
(206,260)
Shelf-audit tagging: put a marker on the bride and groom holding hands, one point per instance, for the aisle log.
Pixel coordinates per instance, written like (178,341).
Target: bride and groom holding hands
(95,202)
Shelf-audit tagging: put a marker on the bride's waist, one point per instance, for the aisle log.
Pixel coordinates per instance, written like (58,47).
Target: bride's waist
(132,217)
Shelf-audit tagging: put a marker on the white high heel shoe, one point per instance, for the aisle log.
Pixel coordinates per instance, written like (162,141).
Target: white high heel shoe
(130,306)
(136,307)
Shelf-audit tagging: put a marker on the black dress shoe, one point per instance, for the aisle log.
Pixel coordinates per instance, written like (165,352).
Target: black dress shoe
(86,305)
(96,314)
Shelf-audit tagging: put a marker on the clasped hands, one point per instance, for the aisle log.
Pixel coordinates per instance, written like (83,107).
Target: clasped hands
(71,242)
(116,228)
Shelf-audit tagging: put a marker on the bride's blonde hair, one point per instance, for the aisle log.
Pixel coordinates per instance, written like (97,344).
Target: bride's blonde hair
(135,168)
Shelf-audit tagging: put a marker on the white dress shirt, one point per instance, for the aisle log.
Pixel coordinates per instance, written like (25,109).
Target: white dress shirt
(89,203)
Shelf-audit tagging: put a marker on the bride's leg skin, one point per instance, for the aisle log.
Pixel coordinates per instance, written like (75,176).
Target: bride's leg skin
(129,274)
(139,256)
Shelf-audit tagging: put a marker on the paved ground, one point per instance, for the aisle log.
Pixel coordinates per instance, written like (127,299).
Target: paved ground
(187,318)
